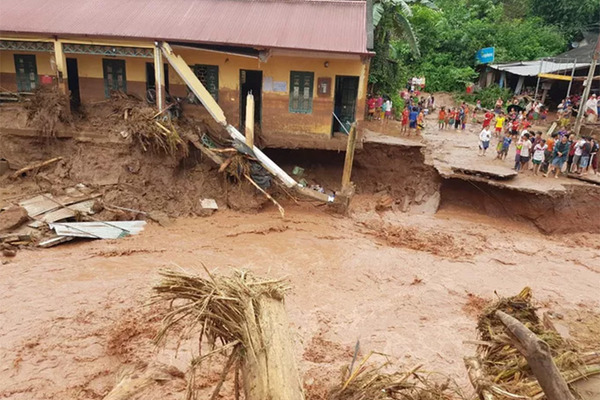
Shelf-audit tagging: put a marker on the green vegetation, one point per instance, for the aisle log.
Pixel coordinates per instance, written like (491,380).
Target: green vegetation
(418,38)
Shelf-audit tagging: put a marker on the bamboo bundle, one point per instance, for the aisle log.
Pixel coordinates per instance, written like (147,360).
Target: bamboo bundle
(500,370)
(239,315)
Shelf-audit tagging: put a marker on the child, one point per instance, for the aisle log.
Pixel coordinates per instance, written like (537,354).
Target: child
(405,113)
(500,123)
(487,119)
(441,118)
(447,119)
(518,146)
(505,146)
(452,117)
(484,141)
(420,122)
(538,155)
(371,106)
(525,153)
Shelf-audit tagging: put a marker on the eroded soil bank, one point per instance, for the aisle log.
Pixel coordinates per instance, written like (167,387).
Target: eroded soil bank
(573,210)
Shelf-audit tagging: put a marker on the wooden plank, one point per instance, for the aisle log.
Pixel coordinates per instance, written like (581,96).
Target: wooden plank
(349,160)
(556,77)
(35,166)
(249,123)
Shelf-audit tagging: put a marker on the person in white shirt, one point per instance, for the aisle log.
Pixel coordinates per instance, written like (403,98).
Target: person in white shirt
(591,109)
(538,156)
(577,154)
(526,146)
(484,140)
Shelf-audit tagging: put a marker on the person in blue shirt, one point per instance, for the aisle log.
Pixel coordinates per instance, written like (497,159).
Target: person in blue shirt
(412,117)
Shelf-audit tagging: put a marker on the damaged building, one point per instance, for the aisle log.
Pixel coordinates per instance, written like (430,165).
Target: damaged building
(305,62)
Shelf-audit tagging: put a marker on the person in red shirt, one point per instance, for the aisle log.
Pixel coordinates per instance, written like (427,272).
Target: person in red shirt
(371,107)
(405,114)
(487,118)
(441,118)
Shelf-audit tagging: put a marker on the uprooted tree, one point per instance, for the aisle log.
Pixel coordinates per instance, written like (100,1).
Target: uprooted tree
(240,316)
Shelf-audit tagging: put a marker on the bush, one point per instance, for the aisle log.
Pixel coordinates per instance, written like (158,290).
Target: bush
(488,96)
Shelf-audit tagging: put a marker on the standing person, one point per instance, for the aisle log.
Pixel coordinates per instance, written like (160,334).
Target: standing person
(420,122)
(584,161)
(484,141)
(378,106)
(500,123)
(387,109)
(412,117)
(572,142)
(591,109)
(548,153)
(460,118)
(577,155)
(594,155)
(405,114)
(559,156)
(505,145)
(525,155)
(452,117)
(514,127)
(441,118)
(487,118)
(518,147)
(371,107)
(499,104)
(538,155)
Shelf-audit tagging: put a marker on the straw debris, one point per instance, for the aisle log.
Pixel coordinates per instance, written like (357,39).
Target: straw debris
(371,382)
(46,109)
(504,371)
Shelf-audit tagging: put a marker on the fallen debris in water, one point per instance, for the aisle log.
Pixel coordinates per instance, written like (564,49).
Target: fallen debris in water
(98,229)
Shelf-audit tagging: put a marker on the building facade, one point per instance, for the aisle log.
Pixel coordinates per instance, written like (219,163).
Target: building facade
(302,85)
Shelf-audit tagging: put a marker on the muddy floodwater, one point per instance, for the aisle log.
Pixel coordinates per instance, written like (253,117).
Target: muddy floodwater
(72,318)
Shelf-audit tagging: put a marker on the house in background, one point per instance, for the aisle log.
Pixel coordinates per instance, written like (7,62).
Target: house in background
(302,60)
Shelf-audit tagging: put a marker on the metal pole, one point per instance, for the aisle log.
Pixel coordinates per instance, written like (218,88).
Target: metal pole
(588,87)
(537,86)
(572,75)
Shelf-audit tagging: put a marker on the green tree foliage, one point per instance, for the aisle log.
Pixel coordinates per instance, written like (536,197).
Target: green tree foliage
(449,35)
(571,16)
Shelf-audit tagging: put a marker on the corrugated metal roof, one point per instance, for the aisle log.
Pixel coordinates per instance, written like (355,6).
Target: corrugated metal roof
(532,68)
(336,26)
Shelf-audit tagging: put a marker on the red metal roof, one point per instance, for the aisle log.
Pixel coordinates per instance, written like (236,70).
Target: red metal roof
(322,25)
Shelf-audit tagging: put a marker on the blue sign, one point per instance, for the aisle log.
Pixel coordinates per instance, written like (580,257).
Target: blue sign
(485,56)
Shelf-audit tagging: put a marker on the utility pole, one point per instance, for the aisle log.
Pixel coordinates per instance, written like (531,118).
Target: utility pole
(588,87)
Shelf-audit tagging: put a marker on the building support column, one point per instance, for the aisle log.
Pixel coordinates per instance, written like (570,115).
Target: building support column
(159,78)
(61,67)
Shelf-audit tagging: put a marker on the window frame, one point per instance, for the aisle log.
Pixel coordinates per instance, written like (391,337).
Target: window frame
(304,106)
(209,68)
(22,81)
(105,62)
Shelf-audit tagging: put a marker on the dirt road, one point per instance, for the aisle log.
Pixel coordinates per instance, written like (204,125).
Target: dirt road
(71,317)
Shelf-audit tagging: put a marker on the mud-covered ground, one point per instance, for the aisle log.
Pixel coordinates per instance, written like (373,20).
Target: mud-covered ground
(73,319)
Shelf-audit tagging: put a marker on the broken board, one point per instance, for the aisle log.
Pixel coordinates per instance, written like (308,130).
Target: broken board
(98,230)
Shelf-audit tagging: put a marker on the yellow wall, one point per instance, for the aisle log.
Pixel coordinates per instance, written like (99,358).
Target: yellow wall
(276,117)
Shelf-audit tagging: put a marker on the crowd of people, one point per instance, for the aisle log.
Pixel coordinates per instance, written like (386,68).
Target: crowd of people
(560,152)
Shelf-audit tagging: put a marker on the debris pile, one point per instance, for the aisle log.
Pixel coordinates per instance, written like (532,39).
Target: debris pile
(70,215)
(371,382)
(500,369)
(48,108)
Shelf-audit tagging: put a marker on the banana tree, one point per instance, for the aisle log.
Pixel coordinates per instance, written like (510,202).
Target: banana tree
(391,18)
